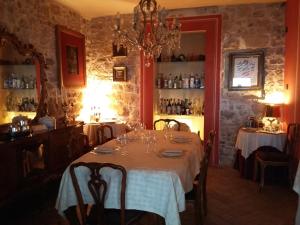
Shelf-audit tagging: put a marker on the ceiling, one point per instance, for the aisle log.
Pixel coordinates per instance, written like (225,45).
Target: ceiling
(95,8)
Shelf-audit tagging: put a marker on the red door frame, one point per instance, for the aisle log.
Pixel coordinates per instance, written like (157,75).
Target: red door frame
(211,25)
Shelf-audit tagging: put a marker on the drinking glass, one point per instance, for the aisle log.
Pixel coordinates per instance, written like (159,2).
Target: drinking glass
(121,141)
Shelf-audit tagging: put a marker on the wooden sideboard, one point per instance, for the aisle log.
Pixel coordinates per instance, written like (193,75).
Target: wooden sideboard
(28,162)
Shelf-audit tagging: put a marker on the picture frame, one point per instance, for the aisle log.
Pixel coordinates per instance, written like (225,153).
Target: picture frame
(71,57)
(120,51)
(246,70)
(120,73)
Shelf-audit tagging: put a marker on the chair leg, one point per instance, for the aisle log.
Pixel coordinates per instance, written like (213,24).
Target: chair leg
(198,207)
(290,172)
(255,169)
(262,176)
(204,199)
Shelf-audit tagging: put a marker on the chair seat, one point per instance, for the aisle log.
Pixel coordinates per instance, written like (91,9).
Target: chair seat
(113,216)
(272,155)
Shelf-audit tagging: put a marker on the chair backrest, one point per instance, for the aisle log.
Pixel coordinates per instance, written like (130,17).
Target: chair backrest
(210,142)
(292,133)
(102,135)
(167,123)
(97,187)
(204,164)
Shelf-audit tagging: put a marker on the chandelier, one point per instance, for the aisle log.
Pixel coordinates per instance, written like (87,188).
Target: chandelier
(151,31)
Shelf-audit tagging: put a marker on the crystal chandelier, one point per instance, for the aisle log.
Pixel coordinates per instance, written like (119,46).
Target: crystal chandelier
(151,32)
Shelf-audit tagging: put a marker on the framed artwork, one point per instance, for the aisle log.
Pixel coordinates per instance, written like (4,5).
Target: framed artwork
(71,57)
(119,51)
(246,71)
(119,73)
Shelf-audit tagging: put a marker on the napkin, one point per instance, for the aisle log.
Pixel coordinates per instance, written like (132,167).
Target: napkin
(171,152)
(181,139)
(103,149)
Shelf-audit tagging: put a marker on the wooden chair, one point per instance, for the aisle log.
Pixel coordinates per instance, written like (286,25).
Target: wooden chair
(173,124)
(270,156)
(96,214)
(200,201)
(101,135)
(208,151)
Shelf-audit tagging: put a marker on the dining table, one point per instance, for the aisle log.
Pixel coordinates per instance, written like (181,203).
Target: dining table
(90,129)
(161,167)
(249,140)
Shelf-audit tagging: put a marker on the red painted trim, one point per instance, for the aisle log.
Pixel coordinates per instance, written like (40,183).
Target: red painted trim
(38,78)
(67,38)
(211,25)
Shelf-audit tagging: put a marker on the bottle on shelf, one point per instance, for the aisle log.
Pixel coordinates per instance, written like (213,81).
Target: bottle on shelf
(174,108)
(202,79)
(159,81)
(165,82)
(170,81)
(192,81)
(178,107)
(169,108)
(186,81)
(175,82)
(197,81)
(180,82)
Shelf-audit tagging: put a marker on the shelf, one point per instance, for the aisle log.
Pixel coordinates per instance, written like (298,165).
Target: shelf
(177,115)
(182,62)
(201,88)
(18,89)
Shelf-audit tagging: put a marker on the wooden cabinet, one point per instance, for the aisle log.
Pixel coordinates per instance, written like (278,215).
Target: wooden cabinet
(64,146)
(8,170)
(30,161)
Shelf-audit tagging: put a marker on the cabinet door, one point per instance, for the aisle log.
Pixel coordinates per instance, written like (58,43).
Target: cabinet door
(77,142)
(59,149)
(8,170)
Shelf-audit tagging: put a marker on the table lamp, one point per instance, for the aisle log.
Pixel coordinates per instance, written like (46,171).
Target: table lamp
(273,112)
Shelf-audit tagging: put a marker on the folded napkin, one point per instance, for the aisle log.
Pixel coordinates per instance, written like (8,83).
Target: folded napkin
(171,152)
(103,149)
(181,139)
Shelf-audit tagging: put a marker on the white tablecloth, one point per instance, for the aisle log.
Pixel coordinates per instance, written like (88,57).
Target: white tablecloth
(90,129)
(249,140)
(154,183)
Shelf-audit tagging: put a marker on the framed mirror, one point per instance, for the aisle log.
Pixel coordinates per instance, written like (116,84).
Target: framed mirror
(22,79)
(246,70)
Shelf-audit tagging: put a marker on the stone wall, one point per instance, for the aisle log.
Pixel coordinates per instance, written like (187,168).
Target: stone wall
(33,21)
(244,27)
(125,96)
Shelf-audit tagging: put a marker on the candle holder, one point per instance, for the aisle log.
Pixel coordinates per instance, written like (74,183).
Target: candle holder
(66,107)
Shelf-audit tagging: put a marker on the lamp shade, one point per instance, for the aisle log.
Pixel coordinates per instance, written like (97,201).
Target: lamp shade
(273,111)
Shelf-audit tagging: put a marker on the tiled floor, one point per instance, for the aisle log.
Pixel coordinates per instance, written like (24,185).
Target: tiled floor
(232,201)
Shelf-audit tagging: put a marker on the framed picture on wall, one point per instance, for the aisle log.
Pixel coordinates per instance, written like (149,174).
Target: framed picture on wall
(246,70)
(119,73)
(71,57)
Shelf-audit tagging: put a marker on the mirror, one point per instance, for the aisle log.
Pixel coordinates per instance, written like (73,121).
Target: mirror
(22,79)
(246,71)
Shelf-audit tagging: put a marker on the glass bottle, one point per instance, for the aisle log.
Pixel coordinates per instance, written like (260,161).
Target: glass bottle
(192,81)
(180,82)
(170,81)
(175,83)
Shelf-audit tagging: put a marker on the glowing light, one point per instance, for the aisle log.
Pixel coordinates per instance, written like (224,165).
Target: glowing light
(275,98)
(241,82)
(97,98)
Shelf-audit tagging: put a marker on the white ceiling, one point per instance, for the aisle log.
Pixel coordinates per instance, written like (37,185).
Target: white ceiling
(95,8)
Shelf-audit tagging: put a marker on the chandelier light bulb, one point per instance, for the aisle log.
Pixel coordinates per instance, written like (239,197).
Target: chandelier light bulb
(151,32)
